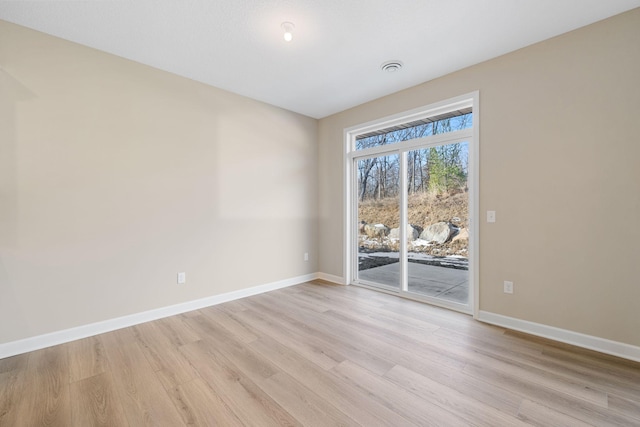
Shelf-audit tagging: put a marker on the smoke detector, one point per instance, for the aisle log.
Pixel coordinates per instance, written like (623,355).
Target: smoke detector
(391,66)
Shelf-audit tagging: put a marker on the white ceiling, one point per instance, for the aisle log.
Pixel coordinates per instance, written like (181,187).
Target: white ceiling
(334,61)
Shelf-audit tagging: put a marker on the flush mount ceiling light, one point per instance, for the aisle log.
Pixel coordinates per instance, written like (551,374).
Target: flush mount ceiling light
(391,66)
(288,30)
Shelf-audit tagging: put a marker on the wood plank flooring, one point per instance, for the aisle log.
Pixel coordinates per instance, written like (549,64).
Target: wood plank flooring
(318,355)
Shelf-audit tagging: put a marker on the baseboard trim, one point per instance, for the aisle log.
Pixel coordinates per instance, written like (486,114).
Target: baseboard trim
(614,348)
(331,278)
(26,345)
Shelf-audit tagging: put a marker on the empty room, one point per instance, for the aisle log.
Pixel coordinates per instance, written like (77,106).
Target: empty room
(357,213)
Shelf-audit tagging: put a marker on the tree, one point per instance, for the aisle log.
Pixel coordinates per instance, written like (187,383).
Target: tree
(445,169)
(364,170)
(437,169)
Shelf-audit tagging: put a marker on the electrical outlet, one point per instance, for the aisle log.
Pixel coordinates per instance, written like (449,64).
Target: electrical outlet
(491,216)
(508,287)
(182,278)
(306,256)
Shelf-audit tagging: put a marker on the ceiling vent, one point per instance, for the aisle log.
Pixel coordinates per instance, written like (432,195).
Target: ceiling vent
(391,66)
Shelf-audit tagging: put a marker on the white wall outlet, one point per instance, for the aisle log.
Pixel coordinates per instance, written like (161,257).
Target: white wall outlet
(182,278)
(306,256)
(508,287)
(491,216)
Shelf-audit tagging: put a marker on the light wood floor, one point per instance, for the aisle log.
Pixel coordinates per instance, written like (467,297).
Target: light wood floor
(317,355)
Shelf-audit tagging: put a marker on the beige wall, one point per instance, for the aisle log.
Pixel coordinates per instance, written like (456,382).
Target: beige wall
(115,176)
(559,162)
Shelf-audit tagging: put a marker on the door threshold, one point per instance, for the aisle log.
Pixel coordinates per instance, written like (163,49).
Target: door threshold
(453,306)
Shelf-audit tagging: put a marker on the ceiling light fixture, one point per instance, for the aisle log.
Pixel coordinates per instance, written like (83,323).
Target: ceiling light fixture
(288,30)
(391,66)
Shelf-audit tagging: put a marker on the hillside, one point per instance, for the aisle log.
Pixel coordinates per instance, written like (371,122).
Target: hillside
(424,209)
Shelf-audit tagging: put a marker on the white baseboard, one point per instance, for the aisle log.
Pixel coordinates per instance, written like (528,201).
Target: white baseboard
(60,337)
(331,278)
(590,342)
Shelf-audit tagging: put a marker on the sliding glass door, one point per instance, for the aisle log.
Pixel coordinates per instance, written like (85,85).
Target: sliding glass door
(438,222)
(378,218)
(411,222)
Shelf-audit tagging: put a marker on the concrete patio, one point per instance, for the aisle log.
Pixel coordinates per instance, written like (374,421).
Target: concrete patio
(439,282)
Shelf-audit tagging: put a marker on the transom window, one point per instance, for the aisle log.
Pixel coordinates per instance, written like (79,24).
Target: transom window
(443,123)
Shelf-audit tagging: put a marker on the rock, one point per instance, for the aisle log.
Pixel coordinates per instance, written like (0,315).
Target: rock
(376,231)
(439,233)
(394,233)
(413,232)
(463,234)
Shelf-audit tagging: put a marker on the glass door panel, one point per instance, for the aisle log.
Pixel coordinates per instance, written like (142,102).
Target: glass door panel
(378,219)
(438,222)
